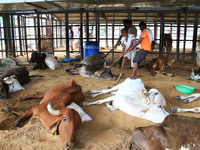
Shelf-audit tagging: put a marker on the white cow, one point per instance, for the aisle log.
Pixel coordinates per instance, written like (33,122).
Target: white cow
(132,97)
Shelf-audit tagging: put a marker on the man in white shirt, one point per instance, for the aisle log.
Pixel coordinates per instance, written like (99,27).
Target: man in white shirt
(128,41)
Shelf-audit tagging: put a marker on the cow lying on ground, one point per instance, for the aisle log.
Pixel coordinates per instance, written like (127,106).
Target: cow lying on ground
(39,59)
(132,97)
(52,111)
(19,73)
(174,133)
(160,65)
(92,67)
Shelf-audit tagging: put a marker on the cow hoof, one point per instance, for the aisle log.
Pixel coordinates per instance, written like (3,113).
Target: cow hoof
(17,122)
(89,92)
(7,109)
(90,96)
(178,98)
(83,104)
(174,109)
(186,101)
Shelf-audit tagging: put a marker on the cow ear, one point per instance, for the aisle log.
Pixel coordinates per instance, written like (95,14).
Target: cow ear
(72,82)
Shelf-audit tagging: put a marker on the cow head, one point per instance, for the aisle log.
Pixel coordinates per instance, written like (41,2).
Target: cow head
(162,63)
(151,137)
(66,124)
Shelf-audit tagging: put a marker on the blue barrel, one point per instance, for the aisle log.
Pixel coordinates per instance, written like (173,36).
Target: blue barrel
(90,47)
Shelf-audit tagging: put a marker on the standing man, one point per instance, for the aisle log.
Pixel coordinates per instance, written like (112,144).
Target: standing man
(145,41)
(131,30)
(71,36)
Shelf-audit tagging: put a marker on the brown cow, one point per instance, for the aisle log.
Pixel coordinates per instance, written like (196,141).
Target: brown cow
(159,65)
(63,120)
(173,133)
(167,42)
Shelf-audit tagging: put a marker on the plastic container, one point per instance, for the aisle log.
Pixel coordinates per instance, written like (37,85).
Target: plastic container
(66,60)
(185,89)
(90,47)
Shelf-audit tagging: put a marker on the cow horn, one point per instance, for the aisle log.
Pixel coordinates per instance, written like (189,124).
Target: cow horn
(51,110)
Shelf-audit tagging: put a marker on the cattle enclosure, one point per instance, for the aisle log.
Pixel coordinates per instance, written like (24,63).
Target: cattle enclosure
(45,30)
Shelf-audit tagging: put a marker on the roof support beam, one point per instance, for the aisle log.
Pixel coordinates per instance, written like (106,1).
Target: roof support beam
(36,6)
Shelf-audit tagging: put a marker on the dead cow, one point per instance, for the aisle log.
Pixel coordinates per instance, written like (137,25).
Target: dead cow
(52,111)
(93,67)
(160,65)
(39,59)
(21,74)
(175,132)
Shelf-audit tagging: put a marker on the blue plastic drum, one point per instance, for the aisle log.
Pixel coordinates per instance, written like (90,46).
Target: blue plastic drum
(90,47)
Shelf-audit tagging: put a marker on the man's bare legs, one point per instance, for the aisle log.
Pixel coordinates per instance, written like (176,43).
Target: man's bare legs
(72,48)
(135,71)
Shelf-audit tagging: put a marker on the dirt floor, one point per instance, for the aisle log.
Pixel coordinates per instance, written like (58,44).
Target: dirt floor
(107,131)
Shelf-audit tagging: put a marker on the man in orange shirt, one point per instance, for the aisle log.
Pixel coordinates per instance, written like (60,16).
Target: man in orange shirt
(145,41)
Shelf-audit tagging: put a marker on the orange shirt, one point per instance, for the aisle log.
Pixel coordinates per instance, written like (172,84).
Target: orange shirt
(145,44)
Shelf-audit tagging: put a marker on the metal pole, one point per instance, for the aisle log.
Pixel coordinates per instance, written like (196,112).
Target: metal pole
(38,31)
(155,30)
(1,40)
(67,34)
(185,34)
(25,36)
(60,33)
(96,27)
(13,37)
(87,26)
(35,30)
(52,42)
(161,34)
(20,39)
(113,35)
(194,37)
(81,32)
(178,36)
(106,34)
(56,34)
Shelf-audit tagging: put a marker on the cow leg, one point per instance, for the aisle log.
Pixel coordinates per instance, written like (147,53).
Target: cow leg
(34,97)
(188,99)
(25,116)
(195,110)
(97,93)
(9,110)
(99,101)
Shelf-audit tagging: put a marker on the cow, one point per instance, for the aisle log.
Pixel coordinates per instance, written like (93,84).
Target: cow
(20,73)
(167,42)
(39,59)
(52,111)
(92,67)
(132,97)
(159,65)
(174,133)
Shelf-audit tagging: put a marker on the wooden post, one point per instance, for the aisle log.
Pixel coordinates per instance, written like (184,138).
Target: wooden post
(185,34)
(178,36)
(67,34)
(81,32)
(161,34)
(19,30)
(13,37)
(87,26)
(194,37)
(113,35)
(38,31)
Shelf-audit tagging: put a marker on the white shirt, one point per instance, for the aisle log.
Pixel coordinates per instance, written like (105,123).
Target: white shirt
(128,42)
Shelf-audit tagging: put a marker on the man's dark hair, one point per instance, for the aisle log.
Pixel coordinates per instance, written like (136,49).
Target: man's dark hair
(70,27)
(127,21)
(124,30)
(142,23)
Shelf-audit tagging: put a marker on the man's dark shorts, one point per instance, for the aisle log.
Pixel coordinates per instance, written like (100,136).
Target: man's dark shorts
(140,56)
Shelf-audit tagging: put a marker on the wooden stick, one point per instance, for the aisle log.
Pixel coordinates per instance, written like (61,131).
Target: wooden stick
(119,77)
